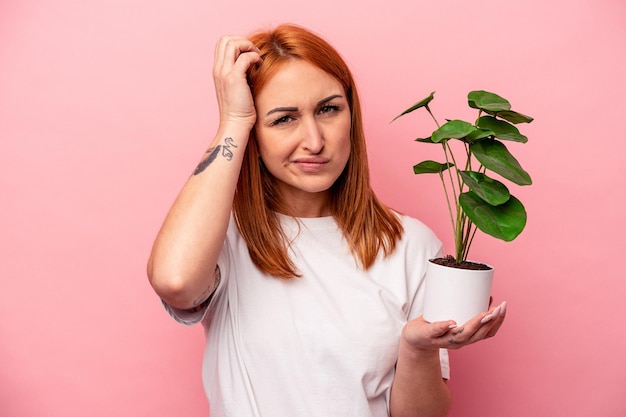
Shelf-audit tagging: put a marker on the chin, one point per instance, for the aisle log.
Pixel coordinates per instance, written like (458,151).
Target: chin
(316,187)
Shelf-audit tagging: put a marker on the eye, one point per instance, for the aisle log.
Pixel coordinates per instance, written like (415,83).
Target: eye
(329,108)
(282,120)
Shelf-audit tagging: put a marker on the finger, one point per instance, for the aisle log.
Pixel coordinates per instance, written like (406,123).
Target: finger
(490,324)
(453,339)
(440,328)
(493,330)
(497,323)
(246,60)
(480,327)
(227,42)
(229,48)
(236,48)
(494,313)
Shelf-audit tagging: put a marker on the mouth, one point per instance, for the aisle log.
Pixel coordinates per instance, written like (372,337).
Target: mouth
(311,164)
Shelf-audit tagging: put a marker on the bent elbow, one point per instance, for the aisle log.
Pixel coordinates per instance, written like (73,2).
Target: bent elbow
(171,286)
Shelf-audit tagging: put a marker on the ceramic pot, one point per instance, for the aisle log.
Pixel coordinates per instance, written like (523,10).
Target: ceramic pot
(455,294)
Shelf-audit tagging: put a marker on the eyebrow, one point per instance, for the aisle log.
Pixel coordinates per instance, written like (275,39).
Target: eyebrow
(292,109)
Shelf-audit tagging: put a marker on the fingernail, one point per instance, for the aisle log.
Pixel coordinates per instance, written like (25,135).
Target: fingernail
(486,319)
(452,326)
(489,317)
(503,308)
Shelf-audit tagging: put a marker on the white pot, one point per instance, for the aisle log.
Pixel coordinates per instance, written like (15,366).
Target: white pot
(456,294)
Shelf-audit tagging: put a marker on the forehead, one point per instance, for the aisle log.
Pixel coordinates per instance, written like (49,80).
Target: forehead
(297,80)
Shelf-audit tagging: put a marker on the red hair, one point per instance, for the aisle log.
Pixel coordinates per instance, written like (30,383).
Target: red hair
(367,225)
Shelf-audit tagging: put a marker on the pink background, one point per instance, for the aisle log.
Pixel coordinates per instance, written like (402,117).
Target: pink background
(107,105)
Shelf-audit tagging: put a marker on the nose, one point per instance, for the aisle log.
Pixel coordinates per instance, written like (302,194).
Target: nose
(312,136)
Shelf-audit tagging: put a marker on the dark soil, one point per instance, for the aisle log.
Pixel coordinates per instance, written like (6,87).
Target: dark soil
(452,263)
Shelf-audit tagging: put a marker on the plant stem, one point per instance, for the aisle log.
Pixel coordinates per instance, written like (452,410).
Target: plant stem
(465,230)
(456,218)
(458,237)
(461,218)
(445,192)
(470,240)
(432,115)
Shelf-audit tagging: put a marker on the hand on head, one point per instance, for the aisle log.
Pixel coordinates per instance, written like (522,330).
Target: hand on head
(233,57)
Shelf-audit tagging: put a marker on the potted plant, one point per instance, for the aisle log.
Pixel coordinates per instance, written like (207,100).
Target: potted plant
(476,200)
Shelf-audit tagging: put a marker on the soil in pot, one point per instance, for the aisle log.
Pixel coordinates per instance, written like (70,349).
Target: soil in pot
(451,262)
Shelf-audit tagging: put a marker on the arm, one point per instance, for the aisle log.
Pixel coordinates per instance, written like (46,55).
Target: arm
(418,389)
(182,265)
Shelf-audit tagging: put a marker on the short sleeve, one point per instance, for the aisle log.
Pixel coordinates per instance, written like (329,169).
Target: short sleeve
(186,317)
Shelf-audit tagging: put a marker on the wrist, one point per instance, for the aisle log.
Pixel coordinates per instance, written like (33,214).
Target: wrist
(236,127)
(418,353)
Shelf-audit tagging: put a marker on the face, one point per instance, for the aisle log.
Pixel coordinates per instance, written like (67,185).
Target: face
(303,132)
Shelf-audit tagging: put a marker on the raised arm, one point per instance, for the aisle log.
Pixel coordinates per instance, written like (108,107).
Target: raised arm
(182,265)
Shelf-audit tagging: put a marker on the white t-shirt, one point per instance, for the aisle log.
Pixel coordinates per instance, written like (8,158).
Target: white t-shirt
(324,344)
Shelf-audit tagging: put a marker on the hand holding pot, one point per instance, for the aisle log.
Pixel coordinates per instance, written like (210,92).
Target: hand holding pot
(421,335)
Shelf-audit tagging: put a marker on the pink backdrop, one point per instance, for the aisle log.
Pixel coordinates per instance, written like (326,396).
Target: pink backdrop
(106,106)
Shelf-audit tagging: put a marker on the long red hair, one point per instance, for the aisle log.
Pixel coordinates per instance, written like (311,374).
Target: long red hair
(367,225)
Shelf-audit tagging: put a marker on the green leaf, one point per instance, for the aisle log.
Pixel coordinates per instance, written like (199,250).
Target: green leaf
(487,101)
(501,129)
(496,157)
(431,167)
(421,103)
(478,134)
(454,129)
(511,116)
(424,140)
(505,221)
(490,190)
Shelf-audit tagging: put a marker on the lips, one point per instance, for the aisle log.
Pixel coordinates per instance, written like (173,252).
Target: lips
(311,164)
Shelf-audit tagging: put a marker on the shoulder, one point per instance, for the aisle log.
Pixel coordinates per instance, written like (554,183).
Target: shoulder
(415,228)
(418,236)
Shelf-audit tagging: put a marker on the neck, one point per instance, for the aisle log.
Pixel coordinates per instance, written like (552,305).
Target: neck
(308,205)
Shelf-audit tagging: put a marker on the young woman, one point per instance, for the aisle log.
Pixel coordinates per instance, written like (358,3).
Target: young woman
(309,289)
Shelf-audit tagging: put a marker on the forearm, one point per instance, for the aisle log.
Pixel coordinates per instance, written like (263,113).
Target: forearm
(182,264)
(418,388)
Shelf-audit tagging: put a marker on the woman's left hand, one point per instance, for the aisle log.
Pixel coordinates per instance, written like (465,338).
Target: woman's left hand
(422,335)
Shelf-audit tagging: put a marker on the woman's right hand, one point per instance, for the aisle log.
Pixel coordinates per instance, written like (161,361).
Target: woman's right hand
(233,57)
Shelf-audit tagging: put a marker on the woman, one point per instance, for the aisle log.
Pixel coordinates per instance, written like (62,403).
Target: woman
(309,289)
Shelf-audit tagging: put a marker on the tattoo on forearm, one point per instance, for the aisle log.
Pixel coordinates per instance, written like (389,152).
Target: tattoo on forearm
(213,153)
(226,152)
